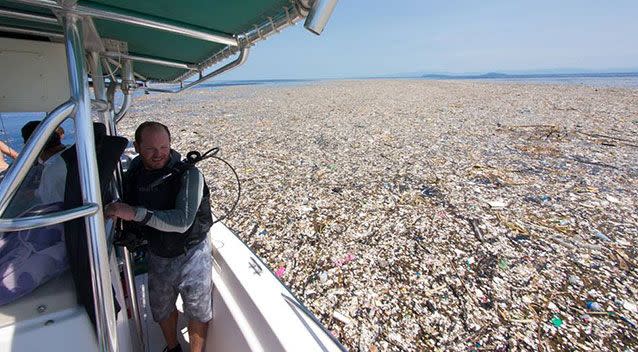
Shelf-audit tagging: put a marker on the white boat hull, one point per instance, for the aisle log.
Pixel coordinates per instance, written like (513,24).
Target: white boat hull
(252,310)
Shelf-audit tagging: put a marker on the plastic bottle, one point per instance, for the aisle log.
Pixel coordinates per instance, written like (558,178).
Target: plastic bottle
(593,306)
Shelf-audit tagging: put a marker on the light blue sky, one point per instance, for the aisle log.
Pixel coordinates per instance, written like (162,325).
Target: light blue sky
(382,37)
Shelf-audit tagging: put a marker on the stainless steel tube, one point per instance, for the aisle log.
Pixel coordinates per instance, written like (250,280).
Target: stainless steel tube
(137,21)
(4,12)
(129,278)
(17,172)
(32,32)
(109,120)
(243,55)
(98,85)
(149,60)
(89,183)
(128,80)
(319,15)
(99,105)
(117,64)
(247,39)
(106,115)
(30,222)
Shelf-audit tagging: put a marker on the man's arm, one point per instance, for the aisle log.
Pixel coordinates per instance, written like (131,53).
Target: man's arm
(187,202)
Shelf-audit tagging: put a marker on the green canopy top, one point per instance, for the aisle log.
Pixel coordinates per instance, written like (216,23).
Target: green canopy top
(207,31)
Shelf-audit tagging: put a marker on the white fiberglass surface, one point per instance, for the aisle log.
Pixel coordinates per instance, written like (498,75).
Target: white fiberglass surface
(249,310)
(255,299)
(37,79)
(43,319)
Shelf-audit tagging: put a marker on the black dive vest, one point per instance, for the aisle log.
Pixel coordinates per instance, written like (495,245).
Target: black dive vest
(137,192)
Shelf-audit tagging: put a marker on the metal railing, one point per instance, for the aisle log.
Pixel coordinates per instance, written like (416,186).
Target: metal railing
(80,106)
(259,32)
(30,222)
(149,60)
(10,13)
(108,117)
(35,32)
(89,184)
(234,44)
(29,31)
(243,55)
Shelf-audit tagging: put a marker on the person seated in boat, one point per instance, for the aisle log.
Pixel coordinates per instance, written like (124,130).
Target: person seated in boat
(60,132)
(32,180)
(53,179)
(52,147)
(172,211)
(31,187)
(32,257)
(8,151)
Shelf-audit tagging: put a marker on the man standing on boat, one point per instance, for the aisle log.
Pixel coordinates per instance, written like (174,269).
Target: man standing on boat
(172,211)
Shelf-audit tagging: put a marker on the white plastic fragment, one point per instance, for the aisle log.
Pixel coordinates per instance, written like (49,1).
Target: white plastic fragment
(341,317)
(497,204)
(632,307)
(323,276)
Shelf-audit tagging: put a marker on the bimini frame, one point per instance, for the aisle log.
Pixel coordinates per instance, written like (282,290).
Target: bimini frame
(317,12)
(79,107)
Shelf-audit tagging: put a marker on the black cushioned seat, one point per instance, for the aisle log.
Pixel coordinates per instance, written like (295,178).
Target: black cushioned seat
(108,151)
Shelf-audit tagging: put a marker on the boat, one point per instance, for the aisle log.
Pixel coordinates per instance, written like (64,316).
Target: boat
(71,59)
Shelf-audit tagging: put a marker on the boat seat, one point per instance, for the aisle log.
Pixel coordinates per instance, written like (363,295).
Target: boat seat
(47,319)
(56,295)
(108,152)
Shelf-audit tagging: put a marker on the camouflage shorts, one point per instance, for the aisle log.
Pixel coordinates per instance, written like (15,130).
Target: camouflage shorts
(190,275)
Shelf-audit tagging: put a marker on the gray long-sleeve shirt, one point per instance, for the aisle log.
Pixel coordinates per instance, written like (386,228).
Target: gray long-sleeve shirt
(187,202)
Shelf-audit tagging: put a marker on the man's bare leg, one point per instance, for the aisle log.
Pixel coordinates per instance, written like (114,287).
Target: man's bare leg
(197,335)
(169,329)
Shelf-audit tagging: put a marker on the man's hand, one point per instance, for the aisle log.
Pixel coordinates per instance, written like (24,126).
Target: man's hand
(120,210)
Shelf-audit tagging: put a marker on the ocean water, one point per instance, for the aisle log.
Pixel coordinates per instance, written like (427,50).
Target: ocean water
(271,82)
(11,124)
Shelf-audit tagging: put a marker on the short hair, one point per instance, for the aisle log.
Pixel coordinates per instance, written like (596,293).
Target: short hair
(53,141)
(149,124)
(28,128)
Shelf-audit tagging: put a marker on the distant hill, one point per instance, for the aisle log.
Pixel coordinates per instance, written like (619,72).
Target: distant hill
(491,75)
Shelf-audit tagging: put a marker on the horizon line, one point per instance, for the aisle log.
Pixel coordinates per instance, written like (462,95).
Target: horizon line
(518,73)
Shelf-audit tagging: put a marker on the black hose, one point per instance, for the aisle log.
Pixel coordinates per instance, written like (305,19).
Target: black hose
(232,209)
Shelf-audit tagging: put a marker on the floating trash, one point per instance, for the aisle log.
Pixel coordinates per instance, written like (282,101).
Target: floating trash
(344,260)
(593,306)
(632,307)
(280,272)
(323,276)
(556,321)
(341,317)
(497,204)
(575,281)
(601,236)
(430,191)
(415,185)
